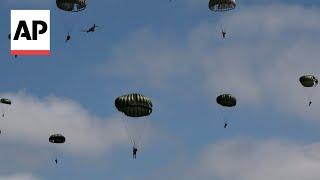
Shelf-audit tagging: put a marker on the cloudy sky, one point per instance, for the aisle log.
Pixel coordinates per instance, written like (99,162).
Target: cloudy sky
(173,53)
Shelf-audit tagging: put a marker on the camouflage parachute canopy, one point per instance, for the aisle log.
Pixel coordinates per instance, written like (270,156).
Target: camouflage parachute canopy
(222,5)
(5,101)
(71,5)
(134,105)
(308,81)
(226,100)
(57,139)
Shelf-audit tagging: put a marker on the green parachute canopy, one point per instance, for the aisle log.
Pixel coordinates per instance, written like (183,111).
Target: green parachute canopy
(57,139)
(5,101)
(71,5)
(222,5)
(134,105)
(308,81)
(226,100)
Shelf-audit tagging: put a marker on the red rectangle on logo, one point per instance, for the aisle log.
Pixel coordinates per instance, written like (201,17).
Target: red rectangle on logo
(31,52)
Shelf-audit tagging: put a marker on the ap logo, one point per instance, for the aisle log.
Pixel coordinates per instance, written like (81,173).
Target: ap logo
(30,32)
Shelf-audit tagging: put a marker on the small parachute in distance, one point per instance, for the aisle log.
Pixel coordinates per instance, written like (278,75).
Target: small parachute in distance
(226,100)
(5,101)
(57,139)
(308,81)
(134,105)
(71,5)
(222,5)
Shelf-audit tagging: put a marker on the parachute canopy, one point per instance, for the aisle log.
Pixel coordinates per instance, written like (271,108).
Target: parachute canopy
(134,105)
(226,100)
(71,5)
(308,81)
(5,101)
(57,139)
(222,5)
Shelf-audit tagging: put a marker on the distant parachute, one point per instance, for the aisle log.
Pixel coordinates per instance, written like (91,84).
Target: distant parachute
(226,100)
(222,5)
(70,14)
(71,5)
(136,108)
(309,81)
(5,101)
(57,139)
(4,105)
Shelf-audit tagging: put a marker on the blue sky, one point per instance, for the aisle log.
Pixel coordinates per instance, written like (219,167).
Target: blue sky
(174,54)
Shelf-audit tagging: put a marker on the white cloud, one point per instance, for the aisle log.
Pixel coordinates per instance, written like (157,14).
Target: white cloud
(31,121)
(19,177)
(244,159)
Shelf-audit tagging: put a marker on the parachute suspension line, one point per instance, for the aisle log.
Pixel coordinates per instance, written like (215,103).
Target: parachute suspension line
(55,153)
(71,25)
(309,94)
(135,128)
(220,24)
(75,19)
(2,112)
(127,130)
(2,117)
(69,21)
(223,25)
(222,29)
(226,114)
(222,115)
(308,98)
(140,136)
